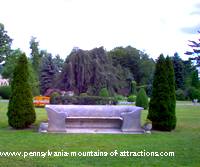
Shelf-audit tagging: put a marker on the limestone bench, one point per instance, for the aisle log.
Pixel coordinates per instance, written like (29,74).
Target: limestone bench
(123,118)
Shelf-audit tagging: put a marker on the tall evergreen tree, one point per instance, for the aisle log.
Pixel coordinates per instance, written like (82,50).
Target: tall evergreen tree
(10,63)
(172,94)
(58,62)
(162,100)
(47,74)
(179,71)
(21,112)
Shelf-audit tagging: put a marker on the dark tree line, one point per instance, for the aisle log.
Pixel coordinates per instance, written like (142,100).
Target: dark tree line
(90,71)
(187,82)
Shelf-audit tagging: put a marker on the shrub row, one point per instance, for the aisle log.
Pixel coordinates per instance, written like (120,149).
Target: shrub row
(190,93)
(82,100)
(131,98)
(120,98)
(5,92)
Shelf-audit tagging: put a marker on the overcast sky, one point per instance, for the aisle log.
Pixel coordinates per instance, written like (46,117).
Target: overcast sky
(155,26)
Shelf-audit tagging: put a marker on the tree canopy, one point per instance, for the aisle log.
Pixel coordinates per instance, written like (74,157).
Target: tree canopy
(179,71)
(90,71)
(136,61)
(195,45)
(47,74)
(35,54)
(5,43)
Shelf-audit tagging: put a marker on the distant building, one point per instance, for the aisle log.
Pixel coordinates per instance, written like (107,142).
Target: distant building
(4,82)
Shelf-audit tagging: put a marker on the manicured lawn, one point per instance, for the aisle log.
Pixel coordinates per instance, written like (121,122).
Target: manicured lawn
(184,141)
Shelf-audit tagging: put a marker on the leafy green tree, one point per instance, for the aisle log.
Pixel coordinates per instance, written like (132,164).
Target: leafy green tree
(189,68)
(35,55)
(21,113)
(195,79)
(161,103)
(193,93)
(33,80)
(129,58)
(5,43)
(147,69)
(142,99)
(36,58)
(137,62)
(179,71)
(9,66)
(47,74)
(10,63)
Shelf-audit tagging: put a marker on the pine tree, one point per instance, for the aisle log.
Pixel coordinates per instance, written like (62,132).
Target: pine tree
(47,73)
(21,112)
(162,101)
(172,94)
(178,71)
(142,99)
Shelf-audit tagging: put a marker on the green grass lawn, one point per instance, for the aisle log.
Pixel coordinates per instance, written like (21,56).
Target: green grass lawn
(184,141)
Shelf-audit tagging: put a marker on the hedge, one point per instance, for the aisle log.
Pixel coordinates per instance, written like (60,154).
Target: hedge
(83,100)
(5,92)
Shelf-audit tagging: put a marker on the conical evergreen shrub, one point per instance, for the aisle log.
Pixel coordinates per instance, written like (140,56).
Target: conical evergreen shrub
(104,92)
(21,112)
(172,92)
(142,99)
(162,103)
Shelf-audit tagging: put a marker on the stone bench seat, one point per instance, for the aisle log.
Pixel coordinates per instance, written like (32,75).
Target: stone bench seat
(61,118)
(93,122)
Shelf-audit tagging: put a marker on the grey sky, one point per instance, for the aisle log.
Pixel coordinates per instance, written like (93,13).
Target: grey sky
(156,26)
